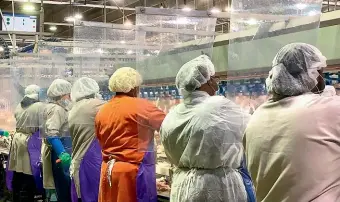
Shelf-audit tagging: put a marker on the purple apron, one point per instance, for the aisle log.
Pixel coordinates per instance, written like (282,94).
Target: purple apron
(9,175)
(89,173)
(34,151)
(74,196)
(146,179)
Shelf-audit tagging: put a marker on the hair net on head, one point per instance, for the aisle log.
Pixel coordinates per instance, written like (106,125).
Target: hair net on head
(84,87)
(295,69)
(124,80)
(194,74)
(59,87)
(32,91)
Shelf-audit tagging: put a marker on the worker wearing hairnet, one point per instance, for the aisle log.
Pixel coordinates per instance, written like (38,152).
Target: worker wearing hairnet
(202,137)
(57,145)
(292,141)
(86,156)
(22,156)
(123,126)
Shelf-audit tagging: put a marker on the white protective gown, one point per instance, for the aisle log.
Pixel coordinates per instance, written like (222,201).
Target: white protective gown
(27,123)
(56,124)
(81,123)
(202,137)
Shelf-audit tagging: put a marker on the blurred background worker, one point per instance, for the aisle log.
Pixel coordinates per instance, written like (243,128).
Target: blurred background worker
(202,137)
(57,141)
(86,156)
(125,128)
(293,140)
(22,157)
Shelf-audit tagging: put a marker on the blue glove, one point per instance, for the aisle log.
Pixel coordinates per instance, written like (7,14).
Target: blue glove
(57,146)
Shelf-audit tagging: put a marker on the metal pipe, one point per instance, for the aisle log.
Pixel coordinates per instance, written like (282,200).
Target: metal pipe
(105,11)
(42,19)
(74,4)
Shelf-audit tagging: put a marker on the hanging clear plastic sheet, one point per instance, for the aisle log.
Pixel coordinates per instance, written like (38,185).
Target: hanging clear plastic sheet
(261,28)
(98,49)
(166,40)
(7,120)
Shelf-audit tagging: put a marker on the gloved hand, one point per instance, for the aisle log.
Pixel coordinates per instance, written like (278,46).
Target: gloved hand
(4,133)
(65,159)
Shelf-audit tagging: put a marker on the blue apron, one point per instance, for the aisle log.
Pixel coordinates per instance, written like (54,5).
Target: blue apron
(248,184)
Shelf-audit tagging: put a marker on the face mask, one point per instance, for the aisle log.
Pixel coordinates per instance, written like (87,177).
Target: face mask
(66,103)
(99,96)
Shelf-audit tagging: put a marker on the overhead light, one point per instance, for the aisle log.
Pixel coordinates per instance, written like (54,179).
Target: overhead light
(252,21)
(129,52)
(215,10)
(312,13)
(228,9)
(53,28)
(70,19)
(78,16)
(148,54)
(28,7)
(127,23)
(122,42)
(186,9)
(100,51)
(300,6)
(1,49)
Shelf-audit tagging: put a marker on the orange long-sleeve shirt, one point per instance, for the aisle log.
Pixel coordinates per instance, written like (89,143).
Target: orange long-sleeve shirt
(124,128)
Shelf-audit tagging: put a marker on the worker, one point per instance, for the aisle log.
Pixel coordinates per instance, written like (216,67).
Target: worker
(292,141)
(202,137)
(24,158)
(125,129)
(86,156)
(57,145)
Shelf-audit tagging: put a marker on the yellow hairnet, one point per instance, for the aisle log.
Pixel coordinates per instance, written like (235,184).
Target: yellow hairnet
(124,80)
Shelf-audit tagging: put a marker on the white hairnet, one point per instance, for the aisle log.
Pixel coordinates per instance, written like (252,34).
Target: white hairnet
(84,87)
(32,91)
(329,91)
(295,69)
(59,87)
(124,80)
(194,73)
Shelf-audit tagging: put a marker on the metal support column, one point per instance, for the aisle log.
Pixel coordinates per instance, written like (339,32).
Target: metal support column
(42,19)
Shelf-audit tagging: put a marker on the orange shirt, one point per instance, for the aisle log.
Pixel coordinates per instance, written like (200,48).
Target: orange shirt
(125,126)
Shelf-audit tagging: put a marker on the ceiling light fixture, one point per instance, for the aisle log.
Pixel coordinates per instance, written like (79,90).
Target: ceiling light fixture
(1,49)
(186,9)
(252,21)
(122,42)
(312,13)
(129,52)
(28,7)
(215,10)
(300,6)
(78,16)
(70,19)
(127,23)
(53,28)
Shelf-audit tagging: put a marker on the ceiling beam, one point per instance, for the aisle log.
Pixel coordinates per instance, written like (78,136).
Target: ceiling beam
(73,4)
